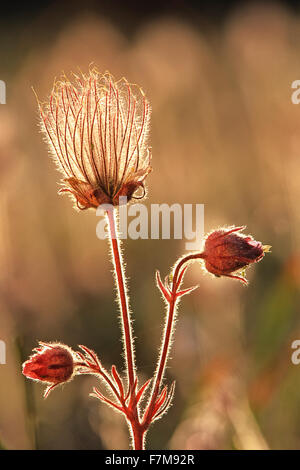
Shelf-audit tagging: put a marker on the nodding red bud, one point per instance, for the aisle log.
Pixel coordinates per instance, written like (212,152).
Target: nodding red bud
(227,251)
(52,363)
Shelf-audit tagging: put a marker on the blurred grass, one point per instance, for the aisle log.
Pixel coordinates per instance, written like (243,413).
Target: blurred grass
(224,133)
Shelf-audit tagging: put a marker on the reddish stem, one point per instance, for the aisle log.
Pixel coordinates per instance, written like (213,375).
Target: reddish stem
(137,430)
(166,338)
(138,436)
(128,341)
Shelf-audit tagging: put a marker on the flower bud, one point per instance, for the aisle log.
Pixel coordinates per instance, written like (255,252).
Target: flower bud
(52,363)
(226,251)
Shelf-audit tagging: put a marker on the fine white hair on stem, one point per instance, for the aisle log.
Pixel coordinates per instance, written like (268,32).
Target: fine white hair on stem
(122,291)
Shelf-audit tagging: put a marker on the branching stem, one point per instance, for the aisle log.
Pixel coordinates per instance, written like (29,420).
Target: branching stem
(167,337)
(134,422)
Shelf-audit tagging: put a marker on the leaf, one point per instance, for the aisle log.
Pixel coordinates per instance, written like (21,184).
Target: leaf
(164,290)
(142,390)
(180,277)
(186,291)
(97,394)
(117,380)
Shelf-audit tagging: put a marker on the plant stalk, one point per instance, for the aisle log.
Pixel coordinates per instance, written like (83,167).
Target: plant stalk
(137,430)
(166,340)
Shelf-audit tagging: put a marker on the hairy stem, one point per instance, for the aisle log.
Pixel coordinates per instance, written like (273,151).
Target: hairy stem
(138,434)
(120,281)
(167,337)
(136,429)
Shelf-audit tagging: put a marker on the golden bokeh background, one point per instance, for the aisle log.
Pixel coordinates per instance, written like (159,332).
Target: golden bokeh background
(224,133)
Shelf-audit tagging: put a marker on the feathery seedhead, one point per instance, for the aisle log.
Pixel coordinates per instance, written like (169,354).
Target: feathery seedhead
(97,129)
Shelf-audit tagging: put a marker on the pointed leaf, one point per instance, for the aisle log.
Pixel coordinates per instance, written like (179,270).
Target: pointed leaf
(142,390)
(186,291)
(167,403)
(117,379)
(180,277)
(97,394)
(92,355)
(160,399)
(164,290)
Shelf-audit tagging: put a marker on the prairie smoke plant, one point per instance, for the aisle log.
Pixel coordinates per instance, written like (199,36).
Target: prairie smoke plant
(97,131)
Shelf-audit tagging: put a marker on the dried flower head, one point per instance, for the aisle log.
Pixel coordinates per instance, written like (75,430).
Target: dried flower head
(52,363)
(227,251)
(97,130)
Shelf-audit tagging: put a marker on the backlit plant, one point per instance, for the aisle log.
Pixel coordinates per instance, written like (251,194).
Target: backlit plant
(97,130)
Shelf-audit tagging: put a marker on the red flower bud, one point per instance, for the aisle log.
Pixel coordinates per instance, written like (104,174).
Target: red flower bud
(226,251)
(52,363)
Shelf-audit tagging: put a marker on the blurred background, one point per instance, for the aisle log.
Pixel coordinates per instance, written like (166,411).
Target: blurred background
(224,133)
